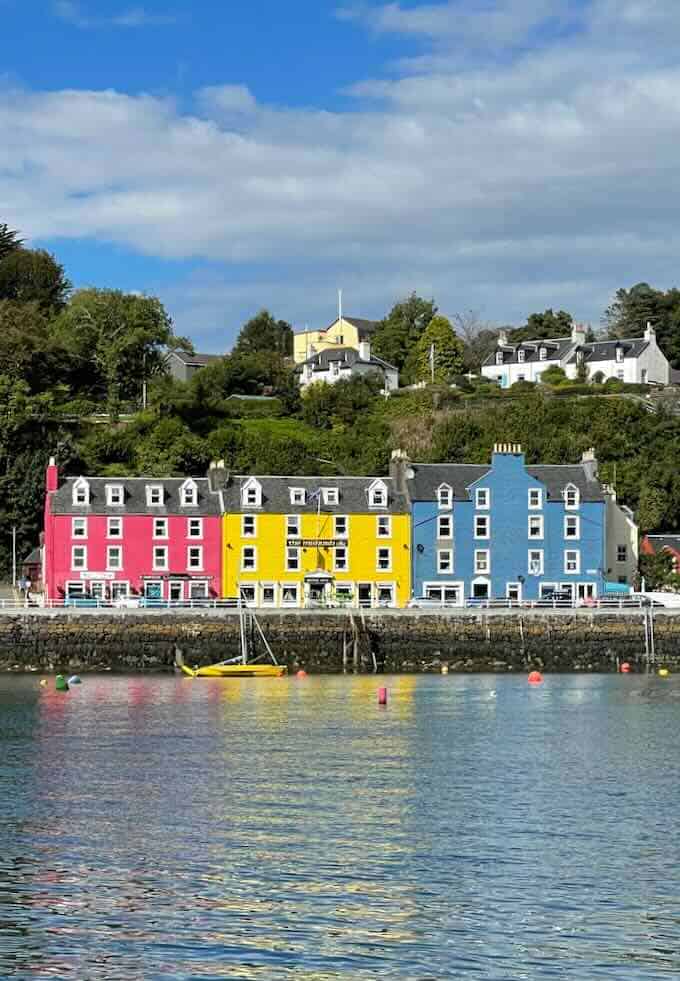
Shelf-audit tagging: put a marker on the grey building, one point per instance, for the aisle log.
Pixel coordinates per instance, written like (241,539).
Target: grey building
(184,366)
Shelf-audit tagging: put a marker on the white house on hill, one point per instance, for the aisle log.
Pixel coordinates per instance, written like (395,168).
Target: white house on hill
(334,364)
(637,360)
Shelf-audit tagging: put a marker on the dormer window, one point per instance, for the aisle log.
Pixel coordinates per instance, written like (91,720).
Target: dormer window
(542,353)
(251,494)
(330,495)
(444,495)
(499,357)
(377,494)
(579,357)
(81,491)
(189,494)
(154,495)
(619,353)
(521,356)
(115,495)
(571,496)
(298,495)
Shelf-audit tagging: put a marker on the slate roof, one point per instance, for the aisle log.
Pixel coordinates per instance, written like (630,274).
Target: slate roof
(61,500)
(459,476)
(196,359)
(353,496)
(606,350)
(348,356)
(557,348)
(660,542)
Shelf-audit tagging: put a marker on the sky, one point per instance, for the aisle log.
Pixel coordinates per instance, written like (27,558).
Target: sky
(501,156)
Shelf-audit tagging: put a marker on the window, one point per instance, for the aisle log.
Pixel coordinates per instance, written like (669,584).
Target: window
(298,495)
(643,376)
(293,560)
(513,591)
(79,528)
(114,528)
(620,374)
(160,527)
(268,594)
(251,494)
(482,525)
(535,498)
(619,353)
(189,494)
(289,594)
(248,526)
(520,356)
(79,557)
(621,553)
(247,594)
(160,558)
(384,526)
(114,558)
(444,560)
(195,528)
(385,594)
(572,526)
(482,497)
(341,526)
(75,590)
(444,526)
(444,494)
(195,557)
(81,491)
(482,560)
(335,368)
(535,562)
(377,494)
(248,558)
(499,357)
(115,495)
(572,561)
(542,354)
(120,590)
(535,526)
(340,560)
(292,525)
(571,496)
(154,495)
(384,559)
(198,590)
(330,495)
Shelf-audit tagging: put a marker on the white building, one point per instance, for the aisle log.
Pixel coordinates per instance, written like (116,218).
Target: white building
(335,364)
(621,540)
(637,360)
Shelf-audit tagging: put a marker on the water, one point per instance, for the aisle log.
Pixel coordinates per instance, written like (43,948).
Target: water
(273,829)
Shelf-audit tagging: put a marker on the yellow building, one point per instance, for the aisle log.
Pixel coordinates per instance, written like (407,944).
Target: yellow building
(343,332)
(316,541)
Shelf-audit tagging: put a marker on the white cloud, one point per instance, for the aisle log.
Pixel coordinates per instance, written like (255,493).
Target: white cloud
(73,13)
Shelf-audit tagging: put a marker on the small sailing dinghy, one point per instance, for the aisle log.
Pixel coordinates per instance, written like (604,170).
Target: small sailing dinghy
(247,664)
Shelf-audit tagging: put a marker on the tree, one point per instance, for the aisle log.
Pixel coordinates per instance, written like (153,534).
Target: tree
(119,338)
(438,348)
(28,350)
(33,276)
(8,241)
(542,325)
(263,333)
(554,375)
(479,337)
(631,311)
(658,572)
(397,334)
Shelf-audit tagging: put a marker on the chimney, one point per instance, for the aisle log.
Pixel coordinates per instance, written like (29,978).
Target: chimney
(364,350)
(649,332)
(52,476)
(508,449)
(400,471)
(502,338)
(589,463)
(578,334)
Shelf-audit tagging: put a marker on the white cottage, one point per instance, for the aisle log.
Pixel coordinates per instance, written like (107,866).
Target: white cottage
(334,364)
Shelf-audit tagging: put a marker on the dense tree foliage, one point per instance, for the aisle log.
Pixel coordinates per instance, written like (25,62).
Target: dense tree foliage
(542,325)
(33,276)
(265,334)
(9,240)
(631,311)
(438,352)
(395,338)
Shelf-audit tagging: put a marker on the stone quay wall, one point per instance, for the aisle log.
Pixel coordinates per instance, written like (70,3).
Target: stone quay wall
(333,641)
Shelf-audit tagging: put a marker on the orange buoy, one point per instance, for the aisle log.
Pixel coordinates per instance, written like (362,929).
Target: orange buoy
(301,674)
(382,696)
(625,668)
(535,678)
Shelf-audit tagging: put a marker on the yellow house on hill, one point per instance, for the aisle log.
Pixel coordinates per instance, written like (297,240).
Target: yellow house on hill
(316,541)
(343,332)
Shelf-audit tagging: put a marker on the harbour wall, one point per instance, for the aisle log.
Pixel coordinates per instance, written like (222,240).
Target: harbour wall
(394,641)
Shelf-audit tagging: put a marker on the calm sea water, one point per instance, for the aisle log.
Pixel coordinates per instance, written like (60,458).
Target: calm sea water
(276,828)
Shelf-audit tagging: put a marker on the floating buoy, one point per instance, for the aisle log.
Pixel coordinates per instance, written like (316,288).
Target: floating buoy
(625,668)
(445,669)
(663,672)
(382,696)
(43,682)
(535,678)
(301,674)
(60,683)
(74,680)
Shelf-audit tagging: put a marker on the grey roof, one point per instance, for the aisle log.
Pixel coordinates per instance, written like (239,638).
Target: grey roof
(196,359)
(459,476)
(61,500)
(252,398)
(557,348)
(659,542)
(33,558)
(353,496)
(606,350)
(362,325)
(348,356)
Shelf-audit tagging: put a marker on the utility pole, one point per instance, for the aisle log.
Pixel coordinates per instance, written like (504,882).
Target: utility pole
(14,556)
(432,362)
(144,380)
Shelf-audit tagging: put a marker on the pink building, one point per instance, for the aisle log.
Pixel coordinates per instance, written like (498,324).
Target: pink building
(112,538)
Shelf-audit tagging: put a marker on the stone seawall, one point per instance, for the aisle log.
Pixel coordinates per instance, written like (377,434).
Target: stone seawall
(393,642)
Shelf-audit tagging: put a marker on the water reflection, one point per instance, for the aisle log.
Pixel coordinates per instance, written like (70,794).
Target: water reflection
(273,828)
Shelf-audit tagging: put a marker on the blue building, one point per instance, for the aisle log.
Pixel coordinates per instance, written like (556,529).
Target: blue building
(508,530)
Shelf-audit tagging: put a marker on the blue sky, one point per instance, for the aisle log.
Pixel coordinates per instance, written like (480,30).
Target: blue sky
(499,155)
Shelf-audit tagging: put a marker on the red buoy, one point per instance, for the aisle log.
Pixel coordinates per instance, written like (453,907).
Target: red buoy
(301,674)
(382,696)
(535,678)
(625,668)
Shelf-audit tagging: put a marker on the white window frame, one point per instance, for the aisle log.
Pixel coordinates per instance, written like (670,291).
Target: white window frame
(251,494)
(531,553)
(198,522)
(377,494)
(379,567)
(486,518)
(81,485)
(251,560)
(572,490)
(339,518)
(383,518)
(151,490)
(444,520)
(161,558)
(160,523)
(119,491)
(248,518)
(81,564)
(535,519)
(444,561)
(521,355)
(295,587)
(499,357)
(619,355)
(516,587)
(535,504)
(298,495)
(196,585)
(624,549)
(274,588)
(198,565)
(445,496)
(188,494)
(293,561)
(577,525)
(482,498)
(482,568)
(343,564)
(293,526)
(576,571)
(82,523)
(542,354)
(109,525)
(331,496)
(112,550)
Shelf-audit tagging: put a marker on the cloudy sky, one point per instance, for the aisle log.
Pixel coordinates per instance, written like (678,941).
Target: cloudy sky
(499,155)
